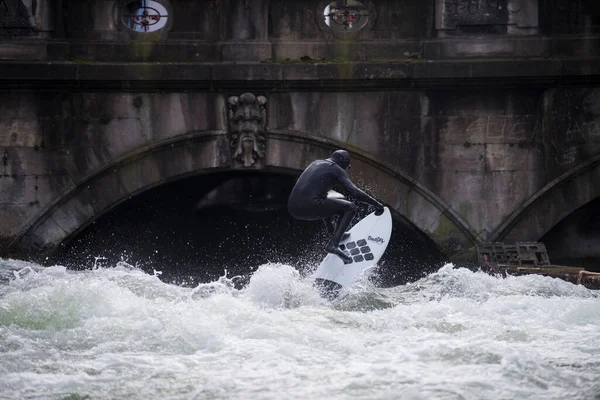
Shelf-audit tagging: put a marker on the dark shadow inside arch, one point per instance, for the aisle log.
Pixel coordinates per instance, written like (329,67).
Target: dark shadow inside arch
(575,240)
(194,229)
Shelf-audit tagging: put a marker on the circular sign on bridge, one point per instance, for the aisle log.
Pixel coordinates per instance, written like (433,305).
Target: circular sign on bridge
(145,16)
(346,16)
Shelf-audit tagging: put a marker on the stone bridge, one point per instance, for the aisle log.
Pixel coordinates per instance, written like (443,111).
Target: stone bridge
(474,120)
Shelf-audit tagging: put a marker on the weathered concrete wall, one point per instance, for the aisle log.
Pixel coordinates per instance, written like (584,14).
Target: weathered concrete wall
(460,165)
(88,152)
(570,16)
(477,120)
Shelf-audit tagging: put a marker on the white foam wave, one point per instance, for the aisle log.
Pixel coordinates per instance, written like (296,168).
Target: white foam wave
(120,333)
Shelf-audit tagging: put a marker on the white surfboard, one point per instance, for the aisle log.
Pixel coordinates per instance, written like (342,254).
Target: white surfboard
(366,244)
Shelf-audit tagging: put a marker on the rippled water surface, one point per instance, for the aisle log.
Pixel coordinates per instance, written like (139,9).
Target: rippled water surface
(116,333)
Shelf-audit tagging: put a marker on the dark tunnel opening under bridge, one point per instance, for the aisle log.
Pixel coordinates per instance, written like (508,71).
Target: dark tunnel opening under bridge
(194,229)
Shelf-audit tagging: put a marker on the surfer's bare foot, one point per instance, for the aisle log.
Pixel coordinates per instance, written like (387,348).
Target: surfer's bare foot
(339,253)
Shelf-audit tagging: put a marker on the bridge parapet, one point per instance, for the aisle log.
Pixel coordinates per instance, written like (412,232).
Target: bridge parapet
(296,31)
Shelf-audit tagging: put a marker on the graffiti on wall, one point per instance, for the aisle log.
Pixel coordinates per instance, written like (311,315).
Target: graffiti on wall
(472,12)
(453,13)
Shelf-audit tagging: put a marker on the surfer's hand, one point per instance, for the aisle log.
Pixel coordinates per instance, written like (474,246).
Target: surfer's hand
(379,209)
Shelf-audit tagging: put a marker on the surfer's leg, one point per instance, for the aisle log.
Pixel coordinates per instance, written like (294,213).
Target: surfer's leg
(343,224)
(346,210)
(336,250)
(331,227)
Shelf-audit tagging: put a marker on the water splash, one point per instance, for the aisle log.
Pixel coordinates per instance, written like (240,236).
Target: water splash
(120,333)
(451,282)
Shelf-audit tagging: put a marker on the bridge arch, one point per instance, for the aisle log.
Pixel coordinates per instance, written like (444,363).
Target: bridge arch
(558,199)
(207,152)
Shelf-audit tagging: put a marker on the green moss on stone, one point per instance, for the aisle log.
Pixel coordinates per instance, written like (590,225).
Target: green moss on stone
(445,229)
(393,60)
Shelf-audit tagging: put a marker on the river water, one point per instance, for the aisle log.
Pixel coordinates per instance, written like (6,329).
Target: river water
(119,333)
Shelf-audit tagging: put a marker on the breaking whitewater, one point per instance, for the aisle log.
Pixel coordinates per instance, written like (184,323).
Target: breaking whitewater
(115,333)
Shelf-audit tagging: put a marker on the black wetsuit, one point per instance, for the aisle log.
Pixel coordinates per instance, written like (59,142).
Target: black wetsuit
(308,199)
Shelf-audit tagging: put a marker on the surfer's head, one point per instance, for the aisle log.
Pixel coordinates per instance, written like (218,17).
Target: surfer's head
(341,158)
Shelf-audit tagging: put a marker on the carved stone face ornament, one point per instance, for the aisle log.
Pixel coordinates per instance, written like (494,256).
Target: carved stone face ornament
(247,125)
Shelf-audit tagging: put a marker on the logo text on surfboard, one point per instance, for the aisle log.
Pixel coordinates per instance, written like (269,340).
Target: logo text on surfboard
(377,239)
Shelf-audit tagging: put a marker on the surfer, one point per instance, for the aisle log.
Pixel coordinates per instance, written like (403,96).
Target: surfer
(308,199)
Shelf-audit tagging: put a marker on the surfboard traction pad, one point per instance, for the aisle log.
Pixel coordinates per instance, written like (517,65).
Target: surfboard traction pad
(328,289)
(358,250)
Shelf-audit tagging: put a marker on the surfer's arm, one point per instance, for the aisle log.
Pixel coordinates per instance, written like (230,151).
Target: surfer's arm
(356,192)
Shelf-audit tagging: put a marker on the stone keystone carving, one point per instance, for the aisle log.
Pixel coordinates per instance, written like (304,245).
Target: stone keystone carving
(248,127)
